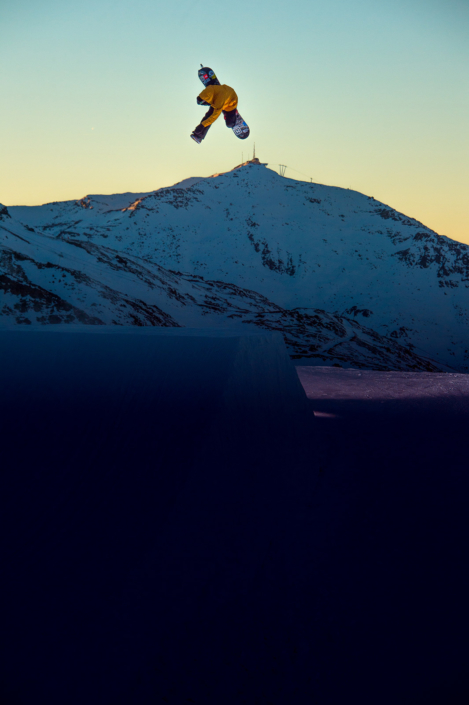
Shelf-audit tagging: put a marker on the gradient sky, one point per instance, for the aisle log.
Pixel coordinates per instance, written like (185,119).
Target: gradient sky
(99,97)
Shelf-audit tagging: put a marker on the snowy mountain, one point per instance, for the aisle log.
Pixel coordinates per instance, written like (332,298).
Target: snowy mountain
(347,279)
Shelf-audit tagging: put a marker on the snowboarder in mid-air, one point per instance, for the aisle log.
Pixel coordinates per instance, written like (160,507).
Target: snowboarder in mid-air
(221,99)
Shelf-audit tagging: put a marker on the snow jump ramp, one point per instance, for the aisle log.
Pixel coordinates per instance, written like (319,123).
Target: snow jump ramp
(145,474)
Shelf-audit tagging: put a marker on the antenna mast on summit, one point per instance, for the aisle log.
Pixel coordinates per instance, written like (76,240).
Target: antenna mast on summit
(254,151)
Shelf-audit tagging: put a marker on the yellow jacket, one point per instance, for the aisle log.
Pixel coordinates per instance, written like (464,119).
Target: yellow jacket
(220,98)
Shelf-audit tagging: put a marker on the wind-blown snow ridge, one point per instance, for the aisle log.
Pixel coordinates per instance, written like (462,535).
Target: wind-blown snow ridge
(330,267)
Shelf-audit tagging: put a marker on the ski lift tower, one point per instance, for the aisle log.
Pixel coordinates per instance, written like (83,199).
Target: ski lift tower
(283,169)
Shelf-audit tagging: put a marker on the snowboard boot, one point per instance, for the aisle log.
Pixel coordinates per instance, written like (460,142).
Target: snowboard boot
(199,133)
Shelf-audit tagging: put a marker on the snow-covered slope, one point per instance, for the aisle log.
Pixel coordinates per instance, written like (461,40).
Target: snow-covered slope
(301,246)
(51,280)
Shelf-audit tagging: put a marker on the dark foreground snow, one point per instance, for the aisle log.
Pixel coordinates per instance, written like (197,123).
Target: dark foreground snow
(384,548)
(181,524)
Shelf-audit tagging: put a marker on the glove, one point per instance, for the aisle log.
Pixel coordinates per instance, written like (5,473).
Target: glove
(201,102)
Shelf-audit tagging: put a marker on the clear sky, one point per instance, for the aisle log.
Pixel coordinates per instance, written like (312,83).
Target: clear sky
(99,96)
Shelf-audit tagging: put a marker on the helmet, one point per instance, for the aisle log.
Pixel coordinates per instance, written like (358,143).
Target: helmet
(207,76)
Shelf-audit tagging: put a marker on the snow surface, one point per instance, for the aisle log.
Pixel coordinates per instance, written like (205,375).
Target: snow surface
(324,382)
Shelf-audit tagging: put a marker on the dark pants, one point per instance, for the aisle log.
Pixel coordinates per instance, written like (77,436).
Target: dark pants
(230,118)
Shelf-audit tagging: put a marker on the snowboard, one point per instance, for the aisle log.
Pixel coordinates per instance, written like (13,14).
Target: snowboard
(240,128)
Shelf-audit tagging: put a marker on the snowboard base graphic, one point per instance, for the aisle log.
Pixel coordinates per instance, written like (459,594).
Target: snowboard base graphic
(241,128)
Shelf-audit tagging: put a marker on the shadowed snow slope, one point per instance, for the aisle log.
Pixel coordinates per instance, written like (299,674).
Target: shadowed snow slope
(145,473)
(48,280)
